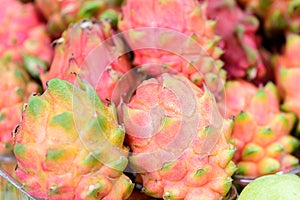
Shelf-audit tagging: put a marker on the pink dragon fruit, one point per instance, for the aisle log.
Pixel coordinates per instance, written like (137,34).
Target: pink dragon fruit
(23,36)
(242,58)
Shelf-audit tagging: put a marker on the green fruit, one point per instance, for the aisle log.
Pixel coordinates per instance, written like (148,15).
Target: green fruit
(273,187)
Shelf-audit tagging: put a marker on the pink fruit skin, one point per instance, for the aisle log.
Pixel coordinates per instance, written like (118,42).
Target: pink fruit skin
(189,20)
(238,31)
(157,111)
(77,45)
(21,25)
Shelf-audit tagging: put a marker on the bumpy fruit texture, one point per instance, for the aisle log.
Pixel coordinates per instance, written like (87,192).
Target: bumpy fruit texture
(153,121)
(276,15)
(261,131)
(54,162)
(183,17)
(60,14)
(23,36)
(287,67)
(237,29)
(15,88)
(77,45)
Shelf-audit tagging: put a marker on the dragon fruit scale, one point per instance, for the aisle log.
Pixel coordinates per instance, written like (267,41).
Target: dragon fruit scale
(53,159)
(261,132)
(188,18)
(76,45)
(153,120)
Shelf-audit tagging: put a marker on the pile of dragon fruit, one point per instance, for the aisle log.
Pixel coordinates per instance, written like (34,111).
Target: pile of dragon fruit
(151,99)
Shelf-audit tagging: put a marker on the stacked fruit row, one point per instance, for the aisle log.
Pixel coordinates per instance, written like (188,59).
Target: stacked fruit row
(178,96)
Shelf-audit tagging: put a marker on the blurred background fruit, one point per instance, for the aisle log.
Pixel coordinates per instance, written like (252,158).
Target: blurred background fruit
(16,87)
(23,36)
(59,14)
(239,40)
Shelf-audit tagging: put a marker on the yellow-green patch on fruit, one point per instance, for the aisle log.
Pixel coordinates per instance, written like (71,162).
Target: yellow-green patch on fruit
(271,187)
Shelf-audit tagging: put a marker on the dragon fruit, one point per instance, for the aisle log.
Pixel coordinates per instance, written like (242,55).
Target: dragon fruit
(276,15)
(16,87)
(71,51)
(287,72)
(23,36)
(153,120)
(60,14)
(54,161)
(238,30)
(261,131)
(186,18)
